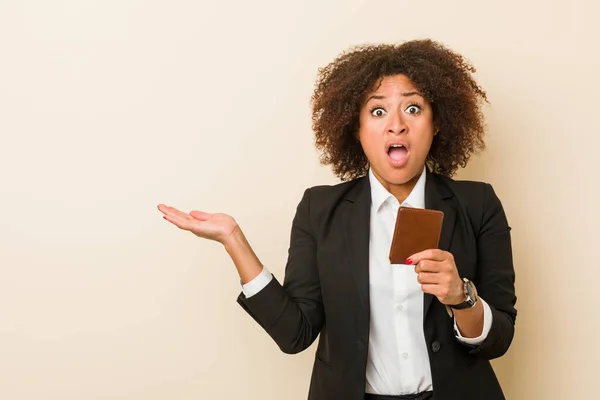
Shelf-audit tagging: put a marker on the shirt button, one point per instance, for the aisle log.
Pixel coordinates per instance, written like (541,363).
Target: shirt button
(435,346)
(405,355)
(399,307)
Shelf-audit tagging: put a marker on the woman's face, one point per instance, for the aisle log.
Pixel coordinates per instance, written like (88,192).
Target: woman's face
(396,130)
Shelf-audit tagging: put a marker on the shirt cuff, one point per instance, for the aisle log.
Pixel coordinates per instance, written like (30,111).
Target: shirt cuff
(487,325)
(257,284)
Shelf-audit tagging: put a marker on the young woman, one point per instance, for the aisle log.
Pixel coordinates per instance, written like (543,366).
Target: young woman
(394,122)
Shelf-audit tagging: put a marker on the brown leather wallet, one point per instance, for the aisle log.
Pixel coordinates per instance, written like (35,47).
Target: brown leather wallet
(417,229)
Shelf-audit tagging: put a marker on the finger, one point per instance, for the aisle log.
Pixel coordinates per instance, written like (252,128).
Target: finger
(427,278)
(429,266)
(431,254)
(439,291)
(182,223)
(430,289)
(200,215)
(173,211)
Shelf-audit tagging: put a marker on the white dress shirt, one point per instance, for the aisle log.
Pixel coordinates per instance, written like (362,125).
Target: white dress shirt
(398,362)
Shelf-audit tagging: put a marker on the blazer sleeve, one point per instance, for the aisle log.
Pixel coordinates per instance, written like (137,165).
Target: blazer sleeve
(292,313)
(496,276)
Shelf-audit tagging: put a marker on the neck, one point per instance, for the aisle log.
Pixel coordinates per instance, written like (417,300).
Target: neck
(399,191)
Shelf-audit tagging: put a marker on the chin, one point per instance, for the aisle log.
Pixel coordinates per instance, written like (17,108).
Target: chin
(400,176)
(399,181)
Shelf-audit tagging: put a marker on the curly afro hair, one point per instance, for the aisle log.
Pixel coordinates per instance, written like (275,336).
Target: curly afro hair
(440,74)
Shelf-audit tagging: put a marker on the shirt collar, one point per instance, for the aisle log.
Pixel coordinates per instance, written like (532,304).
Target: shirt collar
(380,195)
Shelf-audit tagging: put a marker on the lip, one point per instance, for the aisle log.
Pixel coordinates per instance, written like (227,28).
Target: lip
(390,144)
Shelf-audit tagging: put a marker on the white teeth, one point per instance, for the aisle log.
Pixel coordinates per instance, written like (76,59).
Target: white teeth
(396,145)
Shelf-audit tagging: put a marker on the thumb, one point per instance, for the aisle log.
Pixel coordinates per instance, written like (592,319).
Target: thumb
(200,215)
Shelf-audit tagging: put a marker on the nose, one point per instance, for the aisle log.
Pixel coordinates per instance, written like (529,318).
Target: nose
(395,125)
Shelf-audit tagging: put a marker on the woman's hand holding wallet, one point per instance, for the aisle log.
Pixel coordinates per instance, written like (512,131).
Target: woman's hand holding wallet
(416,236)
(221,228)
(438,275)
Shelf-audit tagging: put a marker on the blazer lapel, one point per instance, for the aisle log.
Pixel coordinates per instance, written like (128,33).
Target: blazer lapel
(357,239)
(437,197)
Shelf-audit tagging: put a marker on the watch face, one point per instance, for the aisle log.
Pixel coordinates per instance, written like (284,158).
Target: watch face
(471,292)
(470,301)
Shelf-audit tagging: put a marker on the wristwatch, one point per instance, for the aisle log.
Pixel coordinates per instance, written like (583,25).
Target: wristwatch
(470,294)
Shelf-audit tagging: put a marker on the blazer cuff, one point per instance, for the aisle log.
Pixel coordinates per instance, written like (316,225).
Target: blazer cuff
(487,325)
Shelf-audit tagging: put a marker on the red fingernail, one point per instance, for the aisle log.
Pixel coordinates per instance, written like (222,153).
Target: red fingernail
(408,261)
(165,217)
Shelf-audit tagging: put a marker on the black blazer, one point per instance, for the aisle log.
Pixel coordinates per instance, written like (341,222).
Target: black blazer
(326,288)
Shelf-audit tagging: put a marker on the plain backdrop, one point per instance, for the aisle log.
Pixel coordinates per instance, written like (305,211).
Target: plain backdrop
(108,108)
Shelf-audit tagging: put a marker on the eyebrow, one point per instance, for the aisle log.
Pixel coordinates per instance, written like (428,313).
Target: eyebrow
(405,94)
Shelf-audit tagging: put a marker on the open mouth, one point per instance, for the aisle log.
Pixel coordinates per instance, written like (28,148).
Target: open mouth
(397,154)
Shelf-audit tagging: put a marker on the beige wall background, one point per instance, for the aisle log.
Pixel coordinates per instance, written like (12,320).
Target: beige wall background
(108,108)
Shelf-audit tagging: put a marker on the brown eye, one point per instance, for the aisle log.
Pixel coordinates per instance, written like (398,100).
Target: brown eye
(378,112)
(413,109)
